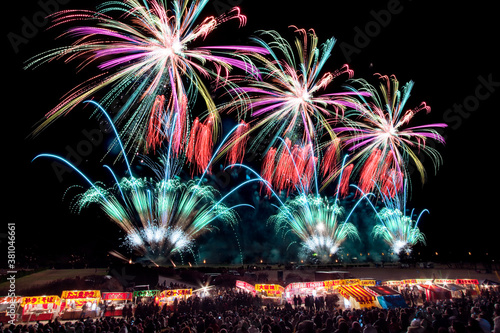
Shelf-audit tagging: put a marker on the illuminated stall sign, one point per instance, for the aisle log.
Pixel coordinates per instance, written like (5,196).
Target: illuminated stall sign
(332,283)
(176,292)
(306,285)
(40,300)
(116,296)
(81,294)
(367,282)
(466,281)
(270,290)
(76,299)
(245,286)
(146,293)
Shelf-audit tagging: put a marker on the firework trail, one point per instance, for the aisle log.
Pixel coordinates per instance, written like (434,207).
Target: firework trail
(161,216)
(152,70)
(291,101)
(379,137)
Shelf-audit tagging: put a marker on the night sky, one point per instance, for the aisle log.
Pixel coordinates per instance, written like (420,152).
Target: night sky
(450,52)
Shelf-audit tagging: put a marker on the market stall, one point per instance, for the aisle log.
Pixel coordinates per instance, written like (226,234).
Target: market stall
(10,308)
(387,297)
(169,296)
(37,308)
(145,296)
(245,286)
(356,297)
(304,289)
(114,303)
(270,290)
(77,304)
(471,286)
(434,292)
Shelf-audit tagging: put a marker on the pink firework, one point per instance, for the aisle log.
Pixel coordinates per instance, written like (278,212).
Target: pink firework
(149,55)
(380,139)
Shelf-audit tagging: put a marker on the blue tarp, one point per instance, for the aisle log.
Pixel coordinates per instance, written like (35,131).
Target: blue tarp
(392,301)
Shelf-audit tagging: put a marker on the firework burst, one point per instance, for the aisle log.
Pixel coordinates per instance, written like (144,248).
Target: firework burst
(316,221)
(291,101)
(162,215)
(151,70)
(380,139)
(397,229)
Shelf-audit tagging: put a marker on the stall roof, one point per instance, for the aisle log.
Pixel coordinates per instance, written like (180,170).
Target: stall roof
(358,293)
(382,290)
(451,287)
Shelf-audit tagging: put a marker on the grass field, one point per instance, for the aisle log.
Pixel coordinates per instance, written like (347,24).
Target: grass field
(49,275)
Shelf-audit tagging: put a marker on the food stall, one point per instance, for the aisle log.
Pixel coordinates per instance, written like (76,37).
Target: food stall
(245,286)
(304,289)
(471,286)
(145,296)
(270,290)
(77,304)
(387,297)
(37,308)
(457,291)
(113,303)
(357,297)
(271,293)
(167,297)
(434,292)
(10,308)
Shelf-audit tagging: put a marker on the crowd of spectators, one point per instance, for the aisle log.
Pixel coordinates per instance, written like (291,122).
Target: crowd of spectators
(237,312)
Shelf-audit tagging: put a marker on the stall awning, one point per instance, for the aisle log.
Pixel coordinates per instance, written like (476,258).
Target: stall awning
(433,292)
(358,293)
(451,287)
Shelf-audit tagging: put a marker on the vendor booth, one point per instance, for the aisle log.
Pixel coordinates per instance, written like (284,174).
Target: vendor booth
(456,290)
(168,297)
(471,286)
(37,308)
(304,289)
(114,303)
(387,298)
(77,304)
(145,296)
(434,292)
(357,297)
(270,290)
(10,308)
(245,286)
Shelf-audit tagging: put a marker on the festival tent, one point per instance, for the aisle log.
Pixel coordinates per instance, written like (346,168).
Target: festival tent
(115,302)
(168,297)
(434,292)
(357,297)
(245,286)
(36,308)
(455,289)
(79,303)
(387,298)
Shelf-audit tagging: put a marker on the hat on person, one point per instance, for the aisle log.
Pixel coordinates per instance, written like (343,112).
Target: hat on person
(415,322)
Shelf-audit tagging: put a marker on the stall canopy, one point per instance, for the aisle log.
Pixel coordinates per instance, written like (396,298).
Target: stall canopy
(451,287)
(433,292)
(245,286)
(357,294)
(387,298)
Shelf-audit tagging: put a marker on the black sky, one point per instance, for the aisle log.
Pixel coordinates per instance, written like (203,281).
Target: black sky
(449,51)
